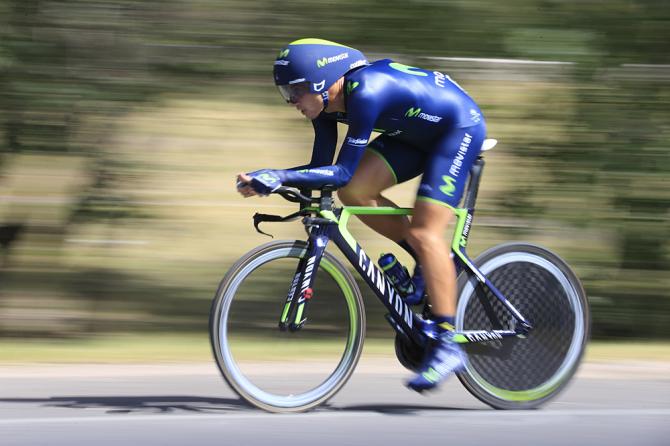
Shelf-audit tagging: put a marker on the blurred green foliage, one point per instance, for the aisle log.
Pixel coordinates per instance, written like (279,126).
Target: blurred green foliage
(584,167)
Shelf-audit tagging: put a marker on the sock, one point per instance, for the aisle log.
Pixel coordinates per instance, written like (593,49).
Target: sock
(445,323)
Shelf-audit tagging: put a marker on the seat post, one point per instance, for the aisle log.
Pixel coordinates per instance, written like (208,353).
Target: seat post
(473,183)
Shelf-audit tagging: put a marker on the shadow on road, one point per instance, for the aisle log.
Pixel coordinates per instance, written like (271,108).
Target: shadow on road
(196,404)
(140,404)
(397,409)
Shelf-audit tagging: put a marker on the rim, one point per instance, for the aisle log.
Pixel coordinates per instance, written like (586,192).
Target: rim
(342,370)
(574,351)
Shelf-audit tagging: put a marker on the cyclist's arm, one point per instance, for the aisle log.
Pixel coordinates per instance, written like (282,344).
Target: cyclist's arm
(361,122)
(325,141)
(267,180)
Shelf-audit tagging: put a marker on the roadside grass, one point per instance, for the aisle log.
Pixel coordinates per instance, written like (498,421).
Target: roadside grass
(195,348)
(182,155)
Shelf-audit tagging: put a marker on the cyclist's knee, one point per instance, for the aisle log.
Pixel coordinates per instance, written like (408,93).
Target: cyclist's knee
(352,195)
(423,239)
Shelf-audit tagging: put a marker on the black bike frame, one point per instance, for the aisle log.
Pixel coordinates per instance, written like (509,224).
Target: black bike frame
(332,226)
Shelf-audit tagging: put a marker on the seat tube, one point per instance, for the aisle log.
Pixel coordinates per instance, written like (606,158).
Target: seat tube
(473,184)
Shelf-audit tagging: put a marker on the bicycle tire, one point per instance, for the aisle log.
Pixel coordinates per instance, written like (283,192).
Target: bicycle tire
(220,339)
(523,373)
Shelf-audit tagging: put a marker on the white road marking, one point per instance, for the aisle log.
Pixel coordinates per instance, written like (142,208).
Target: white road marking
(334,413)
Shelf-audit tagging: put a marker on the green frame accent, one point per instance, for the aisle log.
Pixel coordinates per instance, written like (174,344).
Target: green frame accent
(459,250)
(341,281)
(348,211)
(517,395)
(298,314)
(284,315)
(461,216)
(348,294)
(460,339)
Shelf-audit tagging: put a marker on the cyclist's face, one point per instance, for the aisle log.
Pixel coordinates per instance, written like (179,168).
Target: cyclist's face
(309,104)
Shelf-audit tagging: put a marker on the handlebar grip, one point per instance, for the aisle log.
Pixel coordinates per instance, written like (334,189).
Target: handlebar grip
(293,195)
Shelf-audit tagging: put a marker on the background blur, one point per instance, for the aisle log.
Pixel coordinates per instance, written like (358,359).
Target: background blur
(123,123)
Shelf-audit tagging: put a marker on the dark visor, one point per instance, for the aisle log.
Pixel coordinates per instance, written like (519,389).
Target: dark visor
(293,92)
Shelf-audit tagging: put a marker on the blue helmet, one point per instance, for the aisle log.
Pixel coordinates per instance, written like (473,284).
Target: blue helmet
(315,63)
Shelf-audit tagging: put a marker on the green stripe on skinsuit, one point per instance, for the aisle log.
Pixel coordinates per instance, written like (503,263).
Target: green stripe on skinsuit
(432,200)
(395,178)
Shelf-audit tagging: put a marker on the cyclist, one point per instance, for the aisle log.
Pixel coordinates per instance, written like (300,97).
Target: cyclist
(429,125)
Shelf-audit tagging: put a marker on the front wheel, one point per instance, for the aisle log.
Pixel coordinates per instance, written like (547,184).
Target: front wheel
(523,373)
(286,371)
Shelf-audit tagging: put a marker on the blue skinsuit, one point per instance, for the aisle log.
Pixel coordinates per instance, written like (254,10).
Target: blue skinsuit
(428,123)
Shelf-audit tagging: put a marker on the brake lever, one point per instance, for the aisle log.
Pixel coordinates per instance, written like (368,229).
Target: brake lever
(259,218)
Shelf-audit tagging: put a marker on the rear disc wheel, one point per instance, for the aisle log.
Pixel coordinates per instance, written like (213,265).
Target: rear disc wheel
(522,373)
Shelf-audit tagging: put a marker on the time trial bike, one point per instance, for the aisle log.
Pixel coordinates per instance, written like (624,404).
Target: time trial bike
(287,323)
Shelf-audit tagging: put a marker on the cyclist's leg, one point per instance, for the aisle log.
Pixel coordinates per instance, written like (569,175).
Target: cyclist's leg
(386,162)
(441,188)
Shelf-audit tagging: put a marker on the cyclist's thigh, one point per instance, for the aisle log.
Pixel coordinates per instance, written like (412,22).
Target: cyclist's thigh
(449,164)
(402,161)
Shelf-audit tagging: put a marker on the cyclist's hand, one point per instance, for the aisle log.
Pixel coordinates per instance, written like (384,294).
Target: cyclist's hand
(243,186)
(262,182)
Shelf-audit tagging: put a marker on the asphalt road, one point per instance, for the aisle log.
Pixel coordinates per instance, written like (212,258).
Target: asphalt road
(183,404)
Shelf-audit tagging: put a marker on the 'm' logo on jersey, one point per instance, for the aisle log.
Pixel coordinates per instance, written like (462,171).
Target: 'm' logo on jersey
(283,53)
(351,86)
(326,60)
(412,112)
(448,188)
(416,113)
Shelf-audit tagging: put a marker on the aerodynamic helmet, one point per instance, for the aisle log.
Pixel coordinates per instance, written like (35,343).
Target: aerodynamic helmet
(312,66)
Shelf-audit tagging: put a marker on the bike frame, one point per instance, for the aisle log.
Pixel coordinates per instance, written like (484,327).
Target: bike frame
(331,225)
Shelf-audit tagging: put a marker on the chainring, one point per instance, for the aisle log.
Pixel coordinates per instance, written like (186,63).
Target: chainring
(408,353)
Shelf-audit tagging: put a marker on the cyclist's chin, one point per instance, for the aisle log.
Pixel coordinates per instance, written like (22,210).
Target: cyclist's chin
(310,114)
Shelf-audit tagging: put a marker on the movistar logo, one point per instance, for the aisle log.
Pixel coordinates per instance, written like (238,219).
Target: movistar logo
(407,69)
(351,86)
(416,113)
(448,188)
(412,112)
(466,231)
(267,177)
(283,53)
(327,60)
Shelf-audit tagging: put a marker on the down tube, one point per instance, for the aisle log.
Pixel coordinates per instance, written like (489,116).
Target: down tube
(377,281)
